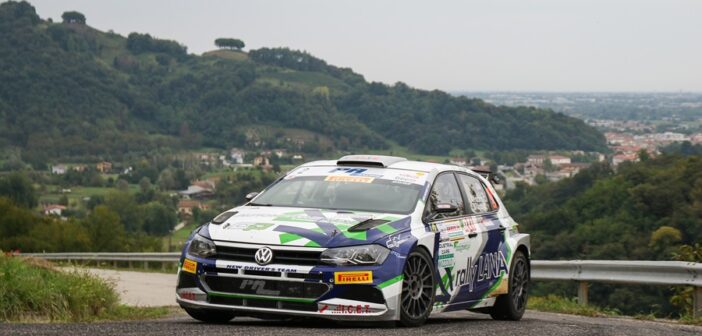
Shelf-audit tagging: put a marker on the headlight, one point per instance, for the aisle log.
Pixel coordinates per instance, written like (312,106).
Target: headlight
(355,255)
(201,247)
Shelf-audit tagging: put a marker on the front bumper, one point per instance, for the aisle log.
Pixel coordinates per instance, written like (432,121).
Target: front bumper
(310,291)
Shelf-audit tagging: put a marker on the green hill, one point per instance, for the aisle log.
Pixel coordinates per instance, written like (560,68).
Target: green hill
(650,210)
(68,90)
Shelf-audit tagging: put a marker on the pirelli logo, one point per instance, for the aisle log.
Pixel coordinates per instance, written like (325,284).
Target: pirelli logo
(360,277)
(190,266)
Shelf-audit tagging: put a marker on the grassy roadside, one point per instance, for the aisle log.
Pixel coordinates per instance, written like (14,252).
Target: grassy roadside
(33,290)
(558,304)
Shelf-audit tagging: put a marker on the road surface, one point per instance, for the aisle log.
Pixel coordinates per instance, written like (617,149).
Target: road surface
(534,323)
(141,288)
(154,289)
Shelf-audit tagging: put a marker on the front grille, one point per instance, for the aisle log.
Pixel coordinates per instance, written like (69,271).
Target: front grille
(362,293)
(186,280)
(291,289)
(229,301)
(274,304)
(284,257)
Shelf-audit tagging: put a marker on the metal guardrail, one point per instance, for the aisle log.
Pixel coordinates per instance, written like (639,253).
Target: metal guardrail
(667,273)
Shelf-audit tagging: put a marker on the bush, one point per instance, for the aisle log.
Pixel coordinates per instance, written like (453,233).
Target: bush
(32,289)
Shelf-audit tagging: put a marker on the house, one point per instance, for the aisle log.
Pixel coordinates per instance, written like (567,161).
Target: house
(58,169)
(53,209)
(558,160)
(80,168)
(536,159)
(199,189)
(279,153)
(103,167)
(237,155)
(458,161)
(261,161)
(185,207)
(297,157)
(532,169)
(619,158)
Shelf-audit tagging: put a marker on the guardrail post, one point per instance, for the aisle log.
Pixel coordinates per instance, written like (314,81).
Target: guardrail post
(697,302)
(582,292)
(146,265)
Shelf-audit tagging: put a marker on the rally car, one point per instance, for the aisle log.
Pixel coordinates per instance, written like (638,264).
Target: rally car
(365,237)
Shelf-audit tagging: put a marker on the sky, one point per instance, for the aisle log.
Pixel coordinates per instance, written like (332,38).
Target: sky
(485,45)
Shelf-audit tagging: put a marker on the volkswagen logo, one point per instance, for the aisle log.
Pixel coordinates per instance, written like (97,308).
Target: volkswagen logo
(263,256)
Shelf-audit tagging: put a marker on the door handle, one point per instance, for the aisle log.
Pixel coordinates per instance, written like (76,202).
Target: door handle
(472,235)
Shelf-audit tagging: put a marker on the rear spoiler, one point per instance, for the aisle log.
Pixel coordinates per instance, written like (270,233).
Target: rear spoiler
(488,175)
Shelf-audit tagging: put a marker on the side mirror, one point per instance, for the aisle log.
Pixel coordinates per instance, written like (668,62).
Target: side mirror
(444,208)
(251,195)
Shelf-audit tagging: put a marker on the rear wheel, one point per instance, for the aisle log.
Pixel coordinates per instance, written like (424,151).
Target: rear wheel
(210,315)
(512,305)
(417,289)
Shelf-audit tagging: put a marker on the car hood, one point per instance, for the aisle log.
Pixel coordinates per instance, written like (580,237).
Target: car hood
(304,227)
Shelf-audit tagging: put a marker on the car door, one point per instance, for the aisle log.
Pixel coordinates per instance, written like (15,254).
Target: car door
(459,242)
(485,237)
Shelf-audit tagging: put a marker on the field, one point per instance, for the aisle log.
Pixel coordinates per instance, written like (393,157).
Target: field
(76,195)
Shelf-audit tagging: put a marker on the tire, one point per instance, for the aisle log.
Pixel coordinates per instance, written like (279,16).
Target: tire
(417,299)
(210,315)
(511,306)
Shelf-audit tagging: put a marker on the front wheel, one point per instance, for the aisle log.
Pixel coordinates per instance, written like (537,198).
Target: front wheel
(210,315)
(417,289)
(512,305)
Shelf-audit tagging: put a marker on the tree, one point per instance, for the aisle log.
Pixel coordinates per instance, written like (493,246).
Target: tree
(230,43)
(19,189)
(158,219)
(124,204)
(73,17)
(105,230)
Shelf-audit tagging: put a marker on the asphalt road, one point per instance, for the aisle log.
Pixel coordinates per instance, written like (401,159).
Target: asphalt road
(140,288)
(534,323)
(154,289)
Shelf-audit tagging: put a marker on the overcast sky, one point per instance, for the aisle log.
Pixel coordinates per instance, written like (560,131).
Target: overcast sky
(515,45)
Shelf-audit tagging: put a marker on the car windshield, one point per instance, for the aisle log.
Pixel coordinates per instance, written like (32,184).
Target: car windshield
(337,192)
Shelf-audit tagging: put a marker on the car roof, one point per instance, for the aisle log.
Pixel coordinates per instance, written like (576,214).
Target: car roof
(393,162)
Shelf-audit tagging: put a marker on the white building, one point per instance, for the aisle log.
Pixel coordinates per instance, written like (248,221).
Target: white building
(58,169)
(558,160)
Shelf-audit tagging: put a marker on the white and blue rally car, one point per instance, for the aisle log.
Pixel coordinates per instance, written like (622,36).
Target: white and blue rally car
(365,237)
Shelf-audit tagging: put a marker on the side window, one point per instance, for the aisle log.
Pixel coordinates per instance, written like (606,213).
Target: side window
(445,191)
(477,198)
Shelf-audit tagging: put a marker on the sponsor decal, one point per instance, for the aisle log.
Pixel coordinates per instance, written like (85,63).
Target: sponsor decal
(259,268)
(469,225)
(190,266)
(350,171)
(346,309)
(408,178)
(450,230)
(461,246)
(395,241)
(446,255)
(247,226)
(358,277)
(258,286)
(354,172)
(354,179)
(488,266)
